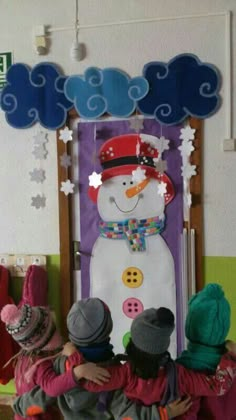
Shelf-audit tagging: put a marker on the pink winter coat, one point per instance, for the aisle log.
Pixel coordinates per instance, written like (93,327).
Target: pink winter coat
(47,379)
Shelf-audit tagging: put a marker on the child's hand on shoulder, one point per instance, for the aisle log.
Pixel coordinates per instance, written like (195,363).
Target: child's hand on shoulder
(92,372)
(178,407)
(68,349)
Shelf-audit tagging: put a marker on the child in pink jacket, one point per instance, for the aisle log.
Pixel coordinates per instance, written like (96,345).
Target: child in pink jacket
(35,331)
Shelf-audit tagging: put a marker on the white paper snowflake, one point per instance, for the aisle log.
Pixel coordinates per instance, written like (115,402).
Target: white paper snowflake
(38,175)
(40,152)
(65,135)
(187,133)
(162,144)
(67,187)
(188,170)
(39,201)
(40,138)
(186,148)
(161,165)
(162,189)
(139,175)
(95,179)
(136,124)
(65,160)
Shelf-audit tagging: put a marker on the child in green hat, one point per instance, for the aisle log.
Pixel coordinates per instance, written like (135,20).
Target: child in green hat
(207,326)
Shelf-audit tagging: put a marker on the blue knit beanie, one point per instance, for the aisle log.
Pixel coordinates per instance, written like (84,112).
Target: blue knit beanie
(208,318)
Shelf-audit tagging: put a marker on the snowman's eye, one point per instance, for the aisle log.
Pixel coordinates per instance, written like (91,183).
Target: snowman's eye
(124,183)
(131,182)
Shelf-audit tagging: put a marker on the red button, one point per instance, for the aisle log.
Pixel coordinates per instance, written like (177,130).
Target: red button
(132,307)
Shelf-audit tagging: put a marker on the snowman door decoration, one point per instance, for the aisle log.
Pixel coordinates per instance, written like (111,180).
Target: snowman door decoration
(131,267)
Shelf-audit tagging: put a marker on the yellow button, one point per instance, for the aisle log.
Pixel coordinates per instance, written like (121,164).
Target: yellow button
(132,277)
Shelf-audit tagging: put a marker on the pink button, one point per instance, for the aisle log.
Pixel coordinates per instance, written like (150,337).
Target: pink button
(132,307)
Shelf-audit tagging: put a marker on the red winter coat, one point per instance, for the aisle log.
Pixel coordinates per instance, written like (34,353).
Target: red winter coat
(8,347)
(35,288)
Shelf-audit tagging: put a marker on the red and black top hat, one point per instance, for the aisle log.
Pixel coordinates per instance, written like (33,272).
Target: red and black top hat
(123,154)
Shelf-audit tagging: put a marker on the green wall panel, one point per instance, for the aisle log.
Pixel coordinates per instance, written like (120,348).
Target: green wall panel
(222,270)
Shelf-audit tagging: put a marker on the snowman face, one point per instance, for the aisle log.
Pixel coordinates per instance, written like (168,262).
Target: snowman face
(114,205)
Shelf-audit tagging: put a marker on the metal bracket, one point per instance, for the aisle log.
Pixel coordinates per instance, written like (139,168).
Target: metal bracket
(76,255)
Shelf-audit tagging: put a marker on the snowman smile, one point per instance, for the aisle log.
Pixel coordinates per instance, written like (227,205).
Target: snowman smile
(112,200)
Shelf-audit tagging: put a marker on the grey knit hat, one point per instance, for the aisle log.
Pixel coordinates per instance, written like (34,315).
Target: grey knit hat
(151,330)
(89,322)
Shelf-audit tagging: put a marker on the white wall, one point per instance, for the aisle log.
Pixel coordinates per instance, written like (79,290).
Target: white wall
(25,229)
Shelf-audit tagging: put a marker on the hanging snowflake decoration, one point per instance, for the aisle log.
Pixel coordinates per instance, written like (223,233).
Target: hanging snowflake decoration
(38,175)
(38,202)
(162,144)
(40,152)
(139,175)
(95,180)
(66,135)
(136,124)
(186,148)
(161,165)
(65,160)
(188,170)
(187,133)
(67,187)
(40,138)
(162,189)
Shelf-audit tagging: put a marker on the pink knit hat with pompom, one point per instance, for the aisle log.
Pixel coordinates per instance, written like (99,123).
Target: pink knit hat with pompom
(32,327)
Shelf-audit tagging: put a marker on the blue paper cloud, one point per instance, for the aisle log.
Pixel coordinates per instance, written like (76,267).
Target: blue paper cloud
(35,95)
(180,88)
(109,90)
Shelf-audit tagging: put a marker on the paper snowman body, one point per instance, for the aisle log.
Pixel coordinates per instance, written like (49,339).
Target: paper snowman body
(130,277)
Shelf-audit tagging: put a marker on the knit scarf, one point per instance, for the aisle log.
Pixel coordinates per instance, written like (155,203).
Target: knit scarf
(201,357)
(98,352)
(133,230)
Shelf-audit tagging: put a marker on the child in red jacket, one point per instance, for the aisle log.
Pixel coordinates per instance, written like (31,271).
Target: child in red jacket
(35,331)
(144,377)
(207,326)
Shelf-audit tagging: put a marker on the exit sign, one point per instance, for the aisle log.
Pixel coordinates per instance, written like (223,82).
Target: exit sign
(5,63)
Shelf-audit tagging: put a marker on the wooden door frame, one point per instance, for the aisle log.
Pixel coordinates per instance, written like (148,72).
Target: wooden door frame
(65,218)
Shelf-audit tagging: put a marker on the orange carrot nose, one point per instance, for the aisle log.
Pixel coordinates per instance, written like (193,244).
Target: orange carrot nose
(131,192)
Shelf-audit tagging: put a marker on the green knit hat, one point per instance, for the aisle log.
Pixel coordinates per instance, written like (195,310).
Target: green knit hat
(208,318)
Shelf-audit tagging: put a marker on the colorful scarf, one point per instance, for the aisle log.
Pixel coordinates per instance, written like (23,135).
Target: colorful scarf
(201,357)
(133,230)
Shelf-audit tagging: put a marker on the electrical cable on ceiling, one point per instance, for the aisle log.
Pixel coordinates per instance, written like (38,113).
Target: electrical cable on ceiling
(75,51)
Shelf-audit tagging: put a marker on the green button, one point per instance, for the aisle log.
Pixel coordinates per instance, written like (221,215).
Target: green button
(126,339)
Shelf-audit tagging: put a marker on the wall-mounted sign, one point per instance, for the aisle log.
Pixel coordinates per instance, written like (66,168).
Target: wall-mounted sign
(5,63)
